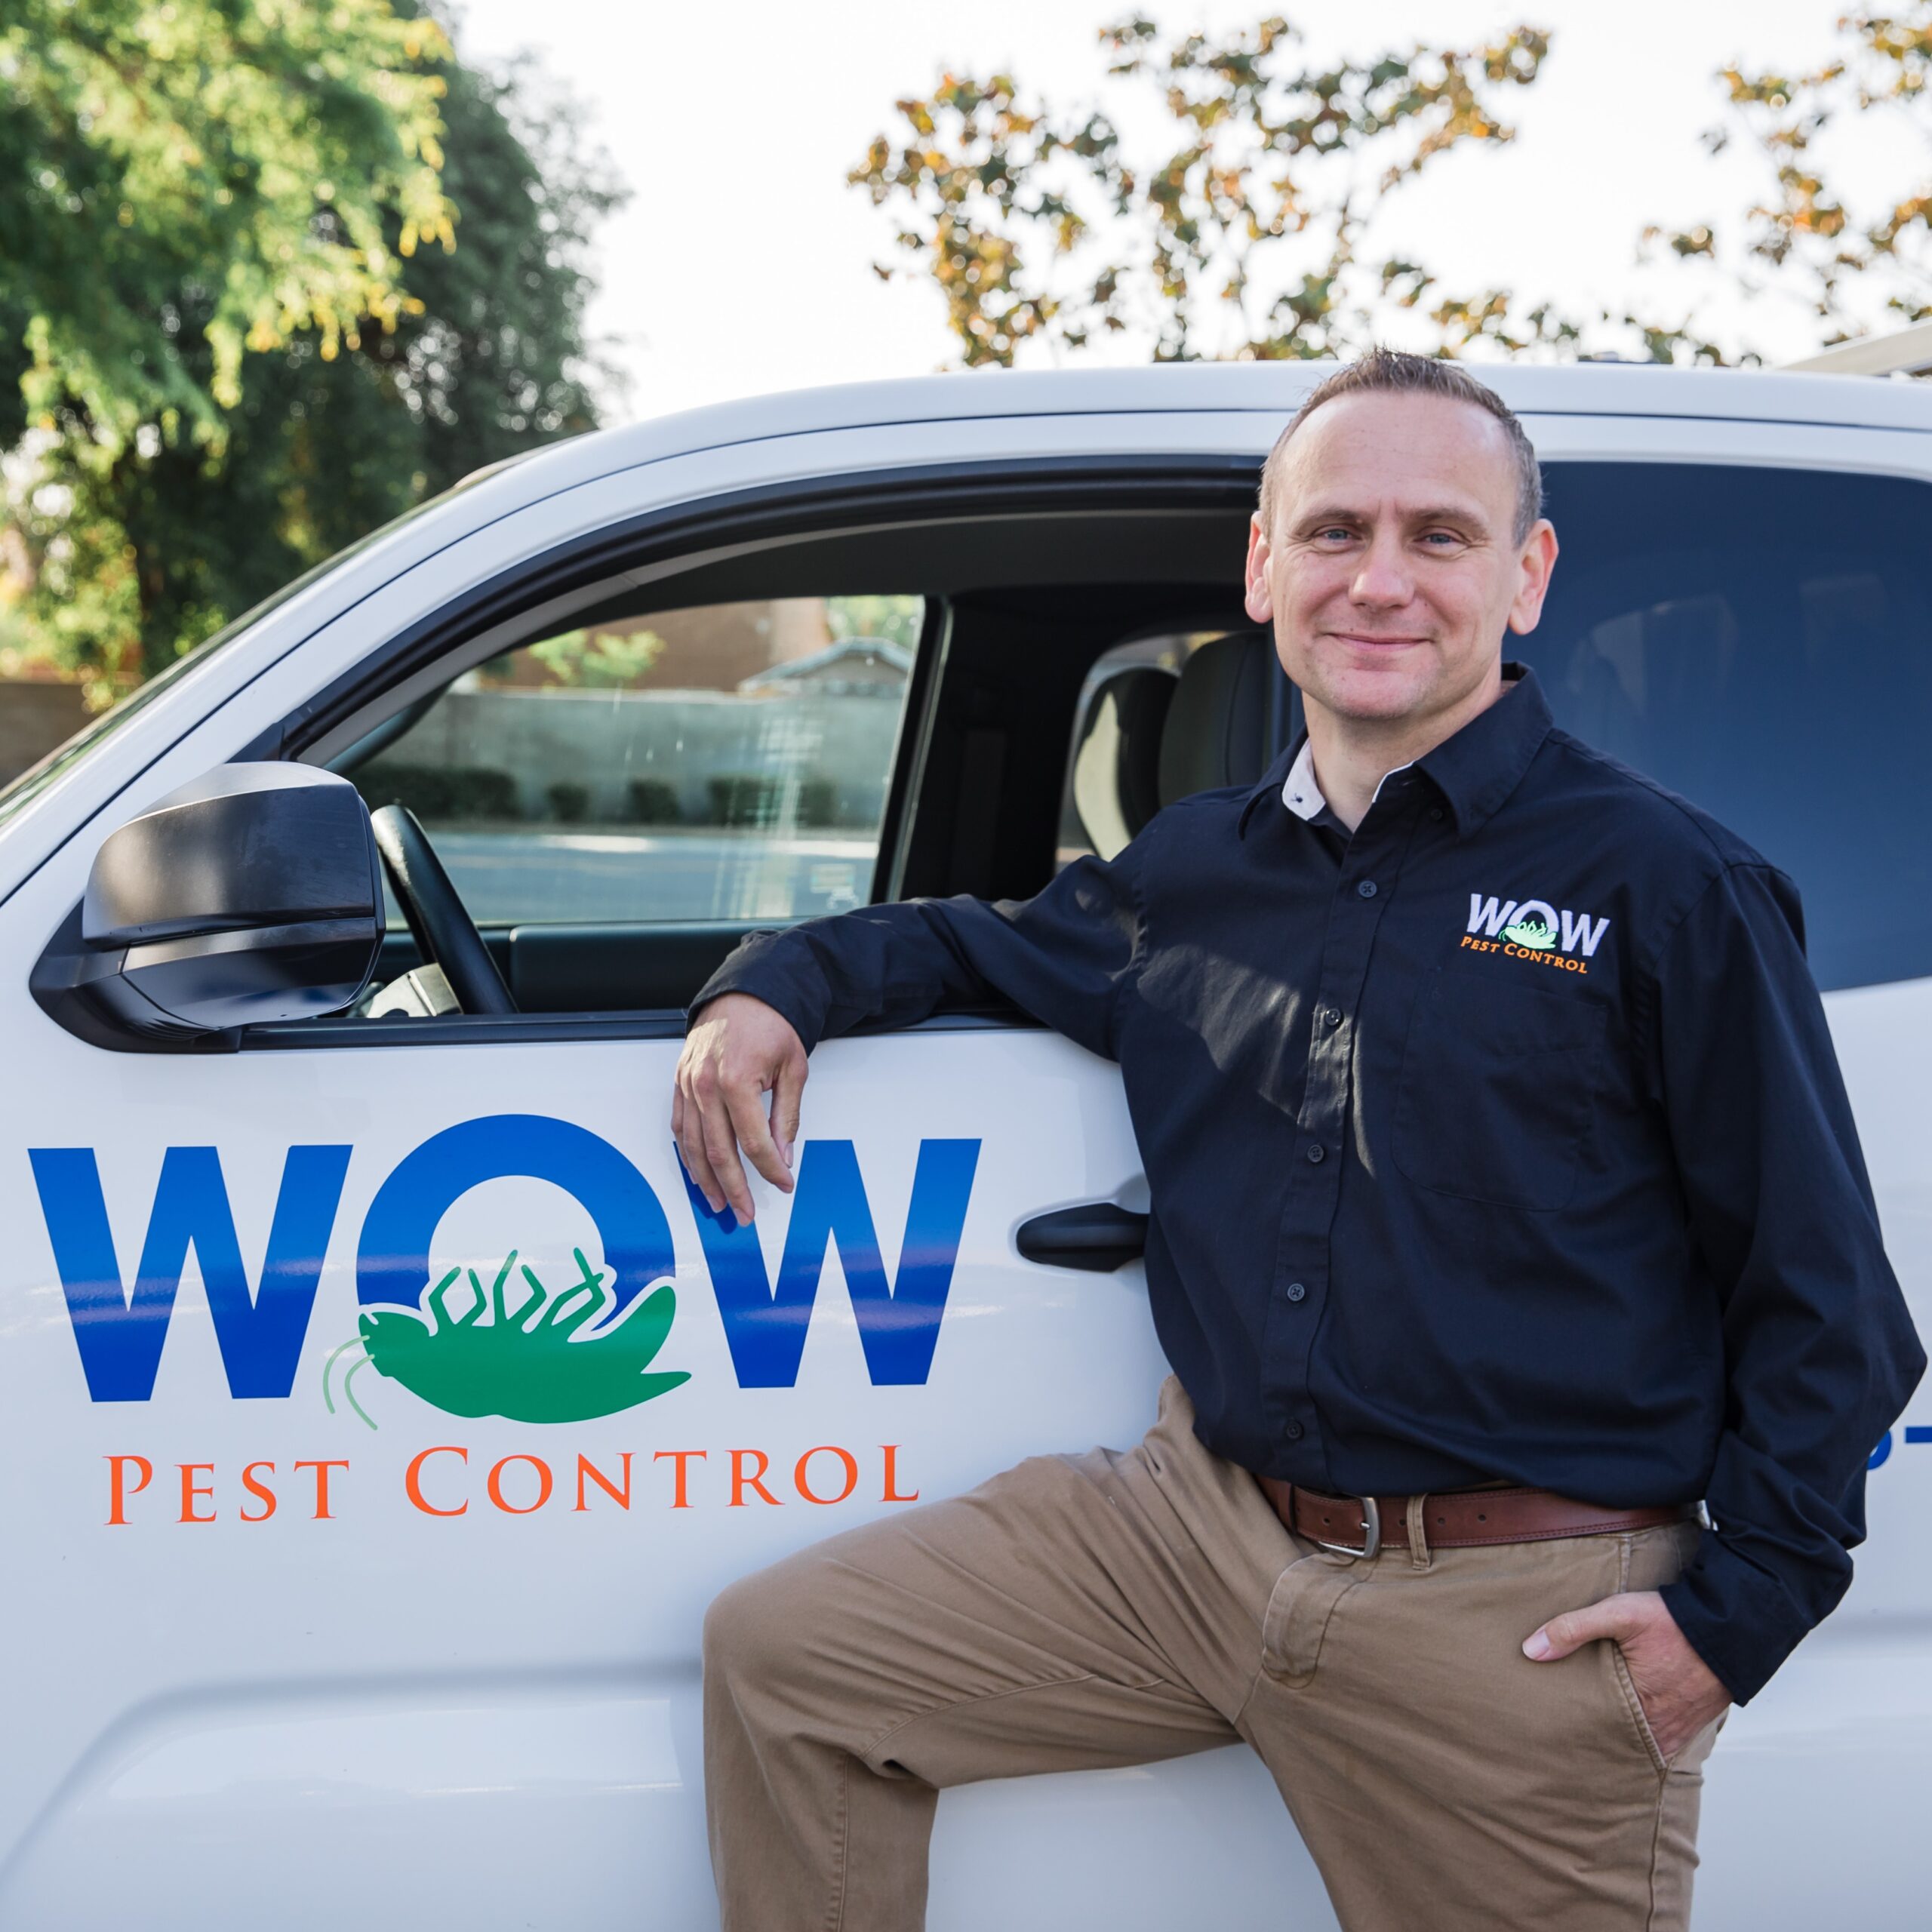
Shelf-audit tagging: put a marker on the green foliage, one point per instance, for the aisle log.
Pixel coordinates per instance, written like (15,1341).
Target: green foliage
(818,801)
(747,798)
(440,792)
(570,802)
(598,660)
(895,619)
(274,163)
(654,801)
(182,463)
(758,799)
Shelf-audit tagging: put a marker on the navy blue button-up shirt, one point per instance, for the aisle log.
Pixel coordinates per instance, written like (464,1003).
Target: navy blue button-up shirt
(1503,1138)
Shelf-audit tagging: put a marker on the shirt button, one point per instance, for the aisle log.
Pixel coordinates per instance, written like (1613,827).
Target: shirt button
(1367,888)
(1296,1291)
(1435,812)
(1318,1152)
(1331,1017)
(1293,1431)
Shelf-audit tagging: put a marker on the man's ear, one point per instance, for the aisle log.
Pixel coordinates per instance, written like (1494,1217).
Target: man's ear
(1259,600)
(1533,571)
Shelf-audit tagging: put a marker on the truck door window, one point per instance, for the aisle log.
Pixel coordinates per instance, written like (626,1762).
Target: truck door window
(724,763)
(1759,641)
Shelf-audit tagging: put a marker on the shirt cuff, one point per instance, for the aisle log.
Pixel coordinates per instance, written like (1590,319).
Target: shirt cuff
(791,986)
(1740,1620)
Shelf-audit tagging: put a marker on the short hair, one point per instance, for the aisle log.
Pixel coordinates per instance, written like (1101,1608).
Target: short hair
(1390,372)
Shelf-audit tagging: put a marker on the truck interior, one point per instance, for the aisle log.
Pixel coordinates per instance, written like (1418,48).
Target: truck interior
(1010,751)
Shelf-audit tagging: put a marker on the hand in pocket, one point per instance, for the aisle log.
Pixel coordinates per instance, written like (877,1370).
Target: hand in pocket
(1679,1692)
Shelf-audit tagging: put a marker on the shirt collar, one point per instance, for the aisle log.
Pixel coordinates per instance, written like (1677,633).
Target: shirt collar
(1301,791)
(1476,770)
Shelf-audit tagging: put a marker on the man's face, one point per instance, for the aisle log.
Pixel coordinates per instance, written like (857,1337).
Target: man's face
(1393,570)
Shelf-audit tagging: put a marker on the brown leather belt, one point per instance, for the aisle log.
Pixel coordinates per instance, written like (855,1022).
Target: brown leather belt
(1457,1519)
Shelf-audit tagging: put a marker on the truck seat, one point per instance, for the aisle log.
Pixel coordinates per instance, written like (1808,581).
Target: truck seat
(1216,730)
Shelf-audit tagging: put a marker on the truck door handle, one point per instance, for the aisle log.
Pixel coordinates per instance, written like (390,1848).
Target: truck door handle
(1096,1235)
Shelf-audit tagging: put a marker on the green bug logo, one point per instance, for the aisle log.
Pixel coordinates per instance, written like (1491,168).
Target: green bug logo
(1531,932)
(569,1356)
(545,1359)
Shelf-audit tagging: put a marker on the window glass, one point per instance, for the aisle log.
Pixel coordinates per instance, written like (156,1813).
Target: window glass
(1112,766)
(1759,641)
(728,762)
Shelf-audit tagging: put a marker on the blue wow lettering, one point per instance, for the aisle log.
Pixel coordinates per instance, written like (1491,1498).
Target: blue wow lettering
(120,1332)
(899,1319)
(261,1327)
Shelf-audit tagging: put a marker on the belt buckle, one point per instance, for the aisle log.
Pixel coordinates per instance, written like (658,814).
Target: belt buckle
(1371,1524)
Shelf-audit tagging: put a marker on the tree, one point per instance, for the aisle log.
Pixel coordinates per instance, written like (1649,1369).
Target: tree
(137,549)
(1246,238)
(271,162)
(597,660)
(1803,242)
(1035,224)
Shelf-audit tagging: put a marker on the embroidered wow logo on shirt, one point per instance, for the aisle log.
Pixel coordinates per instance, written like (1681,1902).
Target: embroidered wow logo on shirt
(1533,929)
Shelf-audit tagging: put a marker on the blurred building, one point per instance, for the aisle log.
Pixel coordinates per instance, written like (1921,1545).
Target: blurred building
(718,646)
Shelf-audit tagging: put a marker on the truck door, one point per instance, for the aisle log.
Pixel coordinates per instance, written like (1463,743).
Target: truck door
(381,1410)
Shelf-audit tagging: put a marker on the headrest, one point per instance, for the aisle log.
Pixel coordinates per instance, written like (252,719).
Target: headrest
(1116,770)
(1216,732)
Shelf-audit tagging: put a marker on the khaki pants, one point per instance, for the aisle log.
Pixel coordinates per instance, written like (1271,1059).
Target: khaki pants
(1113,1609)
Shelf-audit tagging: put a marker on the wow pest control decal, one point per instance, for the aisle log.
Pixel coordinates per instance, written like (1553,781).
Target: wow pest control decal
(563,1325)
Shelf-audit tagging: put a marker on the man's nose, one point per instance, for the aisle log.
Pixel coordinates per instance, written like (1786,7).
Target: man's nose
(1382,582)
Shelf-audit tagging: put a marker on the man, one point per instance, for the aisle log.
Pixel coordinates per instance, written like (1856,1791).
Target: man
(1506,1203)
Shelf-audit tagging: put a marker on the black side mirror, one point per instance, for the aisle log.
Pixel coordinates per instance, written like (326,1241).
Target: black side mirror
(252,895)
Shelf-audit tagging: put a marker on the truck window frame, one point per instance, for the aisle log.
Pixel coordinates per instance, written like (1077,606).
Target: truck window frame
(683,537)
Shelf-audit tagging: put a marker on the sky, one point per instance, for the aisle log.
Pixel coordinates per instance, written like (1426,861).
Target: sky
(734,126)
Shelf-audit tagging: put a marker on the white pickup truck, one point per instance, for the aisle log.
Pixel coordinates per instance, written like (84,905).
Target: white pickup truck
(378,1417)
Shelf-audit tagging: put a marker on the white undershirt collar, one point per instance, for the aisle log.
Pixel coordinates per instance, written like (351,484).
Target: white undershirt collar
(1302,795)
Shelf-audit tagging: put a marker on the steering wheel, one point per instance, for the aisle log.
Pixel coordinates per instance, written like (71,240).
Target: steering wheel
(445,933)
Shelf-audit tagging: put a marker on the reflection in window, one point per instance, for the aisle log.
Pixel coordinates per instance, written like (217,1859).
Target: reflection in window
(724,763)
(1759,641)
(1667,667)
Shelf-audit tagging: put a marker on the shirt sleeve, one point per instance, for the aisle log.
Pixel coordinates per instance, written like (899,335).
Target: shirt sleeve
(1820,1350)
(1061,957)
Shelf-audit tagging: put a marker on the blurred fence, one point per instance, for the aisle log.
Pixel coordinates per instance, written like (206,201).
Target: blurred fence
(34,718)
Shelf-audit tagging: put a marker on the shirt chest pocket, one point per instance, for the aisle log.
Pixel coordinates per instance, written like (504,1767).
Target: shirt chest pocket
(1497,1084)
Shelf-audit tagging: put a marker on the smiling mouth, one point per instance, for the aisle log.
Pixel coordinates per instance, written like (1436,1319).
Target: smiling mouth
(1362,640)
